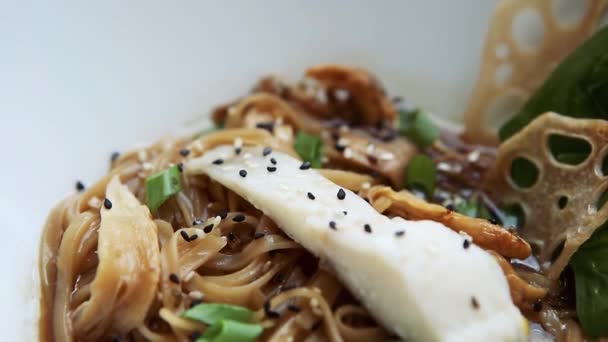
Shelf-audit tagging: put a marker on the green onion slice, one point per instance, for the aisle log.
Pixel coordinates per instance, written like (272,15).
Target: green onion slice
(309,148)
(231,331)
(212,313)
(421,173)
(418,127)
(161,186)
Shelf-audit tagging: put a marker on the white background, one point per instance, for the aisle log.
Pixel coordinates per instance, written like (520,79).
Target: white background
(81,79)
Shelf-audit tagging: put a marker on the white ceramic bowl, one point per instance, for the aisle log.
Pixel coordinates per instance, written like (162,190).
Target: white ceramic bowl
(79,80)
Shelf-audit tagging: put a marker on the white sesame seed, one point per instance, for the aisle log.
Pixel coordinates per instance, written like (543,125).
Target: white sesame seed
(344,128)
(386,156)
(348,153)
(266,266)
(142,155)
(231,110)
(238,142)
(443,166)
(247,155)
(195,294)
(94,202)
(147,166)
(324,159)
(341,94)
(366,185)
(473,156)
(321,96)
(466,236)
(370,148)
(343,141)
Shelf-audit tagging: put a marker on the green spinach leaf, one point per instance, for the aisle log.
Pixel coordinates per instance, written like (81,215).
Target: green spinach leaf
(578,87)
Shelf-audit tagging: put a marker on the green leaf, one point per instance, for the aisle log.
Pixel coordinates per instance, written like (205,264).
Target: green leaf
(473,208)
(418,127)
(421,173)
(210,313)
(590,266)
(231,331)
(578,87)
(161,186)
(309,148)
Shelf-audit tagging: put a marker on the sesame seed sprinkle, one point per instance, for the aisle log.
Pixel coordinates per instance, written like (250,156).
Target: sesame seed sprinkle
(267,150)
(238,218)
(492,220)
(107,203)
(474,303)
(341,194)
(208,228)
(271,168)
(79,186)
(310,195)
(193,237)
(184,152)
(258,235)
(367,228)
(197,222)
(243,173)
(305,165)
(348,153)
(400,233)
(345,212)
(114,156)
(340,147)
(538,305)
(184,236)
(466,244)
(237,150)
(273,161)
(223,214)
(180,167)
(332,225)
(218,162)
(269,312)
(174,278)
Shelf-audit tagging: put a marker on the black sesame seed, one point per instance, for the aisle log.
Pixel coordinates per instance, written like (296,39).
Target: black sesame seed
(174,278)
(345,212)
(195,302)
(197,222)
(237,151)
(267,150)
(269,126)
(335,135)
(538,305)
(400,233)
(466,244)
(341,194)
(223,214)
(492,220)
(339,147)
(114,156)
(310,195)
(218,162)
(238,218)
(450,207)
(305,165)
(107,203)
(367,228)
(474,303)
(180,167)
(193,237)
(293,308)
(258,235)
(231,236)
(273,161)
(195,335)
(79,186)
(372,159)
(269,312)
(317,325)
(208,228)
(184,152)
(243,173)
(332,225)
(374,174)
(271,168)
(185,235)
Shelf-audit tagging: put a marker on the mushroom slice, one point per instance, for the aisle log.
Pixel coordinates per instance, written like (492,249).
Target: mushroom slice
(127,276)
(484,234)
(369,98)
(559,193)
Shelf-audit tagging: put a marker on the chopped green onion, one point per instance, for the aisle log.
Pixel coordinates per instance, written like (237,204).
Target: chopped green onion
(421,173)
(473,208)
(231,331)
(418,127)
(161,186)
(211,313)
(309,148)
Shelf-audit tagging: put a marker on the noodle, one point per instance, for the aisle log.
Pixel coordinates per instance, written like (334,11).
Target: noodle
(131,274)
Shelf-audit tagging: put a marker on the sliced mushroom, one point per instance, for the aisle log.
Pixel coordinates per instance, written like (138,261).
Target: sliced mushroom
(485,234)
